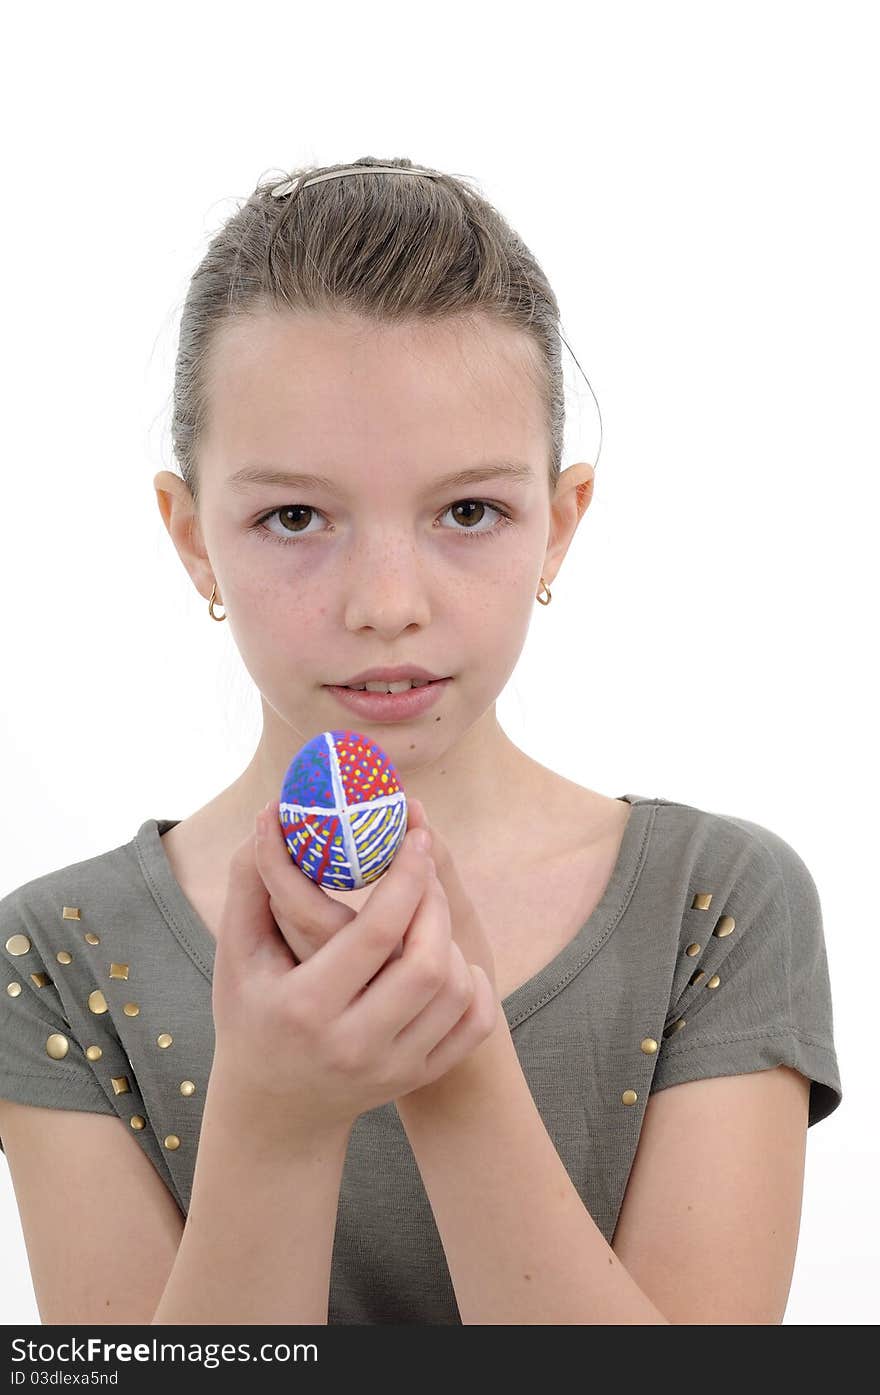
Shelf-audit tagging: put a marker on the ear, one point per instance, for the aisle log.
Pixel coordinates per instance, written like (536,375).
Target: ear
(571,499)
(180,516)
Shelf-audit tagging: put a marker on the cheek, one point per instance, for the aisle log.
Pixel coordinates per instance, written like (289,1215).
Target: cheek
(275,618)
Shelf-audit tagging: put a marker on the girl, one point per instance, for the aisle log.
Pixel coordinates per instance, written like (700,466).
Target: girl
(448,1097)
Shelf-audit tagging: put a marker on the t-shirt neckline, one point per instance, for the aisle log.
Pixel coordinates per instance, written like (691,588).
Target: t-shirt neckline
(199,944)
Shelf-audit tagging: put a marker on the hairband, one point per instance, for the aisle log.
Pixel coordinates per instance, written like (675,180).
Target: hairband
(290,184)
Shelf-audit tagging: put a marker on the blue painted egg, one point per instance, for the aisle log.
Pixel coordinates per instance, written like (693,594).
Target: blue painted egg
(342,810)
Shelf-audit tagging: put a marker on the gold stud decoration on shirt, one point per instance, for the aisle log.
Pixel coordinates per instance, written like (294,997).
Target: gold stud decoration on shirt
(649,1046)
(13,989)
(164,1039)
(629,1097)
(70,913)
(63,957)
(702,901)
(172,1141)
(93,1053)
(675,1027)
(724,926)
(57,1046)
(119,971)
(693,949)
(41,979)
(120,1084)
(131,1009)
(697,977)
(97,1001)
(187,1087)
(91,939)
(18,944)
(713,981)
(137,1121)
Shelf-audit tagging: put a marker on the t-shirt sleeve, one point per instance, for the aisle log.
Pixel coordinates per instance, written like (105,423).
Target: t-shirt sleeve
(755,992)
(41,1062)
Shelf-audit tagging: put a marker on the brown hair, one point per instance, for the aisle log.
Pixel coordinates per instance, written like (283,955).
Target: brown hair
(386,248)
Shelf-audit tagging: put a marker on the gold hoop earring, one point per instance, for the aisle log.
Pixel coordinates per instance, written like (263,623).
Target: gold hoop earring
(540,598)
(211,605)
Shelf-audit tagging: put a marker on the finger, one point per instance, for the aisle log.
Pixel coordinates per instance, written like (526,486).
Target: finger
(359,949)
(428,1028)
(401,993)
(476,1024)
(306,916)
(460,903)
(415,814)
(247,925)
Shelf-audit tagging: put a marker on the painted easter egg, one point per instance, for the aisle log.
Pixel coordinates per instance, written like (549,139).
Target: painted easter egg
(342,810)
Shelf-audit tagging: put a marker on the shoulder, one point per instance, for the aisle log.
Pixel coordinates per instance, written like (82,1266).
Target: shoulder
(750,984)
(751,956)
(734,891)
(45,906)
(734,850)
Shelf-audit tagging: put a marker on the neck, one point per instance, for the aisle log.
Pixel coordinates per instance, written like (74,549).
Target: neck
(471,794)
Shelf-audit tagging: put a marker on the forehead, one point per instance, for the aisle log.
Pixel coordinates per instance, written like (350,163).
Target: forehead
(326,390)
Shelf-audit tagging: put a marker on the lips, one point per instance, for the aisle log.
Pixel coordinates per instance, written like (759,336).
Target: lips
(404,685)
(391,675)
(390,707)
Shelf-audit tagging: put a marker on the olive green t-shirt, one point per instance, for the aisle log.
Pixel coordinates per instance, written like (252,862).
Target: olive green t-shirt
(704,957)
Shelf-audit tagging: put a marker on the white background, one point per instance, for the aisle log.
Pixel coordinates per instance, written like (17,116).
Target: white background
(700,184)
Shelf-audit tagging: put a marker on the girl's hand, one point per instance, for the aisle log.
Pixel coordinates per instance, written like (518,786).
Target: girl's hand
(316,1020)
(467,927)
(310,917)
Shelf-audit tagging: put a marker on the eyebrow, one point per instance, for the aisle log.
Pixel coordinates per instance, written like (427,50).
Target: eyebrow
(251,475)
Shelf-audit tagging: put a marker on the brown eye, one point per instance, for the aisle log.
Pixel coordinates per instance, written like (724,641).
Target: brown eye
(465,506)
(290,517)
(286,515)
(295,518)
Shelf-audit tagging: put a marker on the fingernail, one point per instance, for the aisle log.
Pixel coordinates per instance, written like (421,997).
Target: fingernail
(420,839)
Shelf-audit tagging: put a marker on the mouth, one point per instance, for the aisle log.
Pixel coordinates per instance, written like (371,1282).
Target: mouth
(395,702)
(380,686)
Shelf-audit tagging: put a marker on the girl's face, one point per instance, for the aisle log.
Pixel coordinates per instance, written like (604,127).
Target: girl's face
(384,560)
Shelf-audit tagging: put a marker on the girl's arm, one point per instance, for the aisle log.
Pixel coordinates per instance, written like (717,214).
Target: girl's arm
(258,1239)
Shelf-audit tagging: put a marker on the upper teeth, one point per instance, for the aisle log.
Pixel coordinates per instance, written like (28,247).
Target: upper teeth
(389,687)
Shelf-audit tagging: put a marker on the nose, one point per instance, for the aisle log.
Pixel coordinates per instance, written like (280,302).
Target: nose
(385,586)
